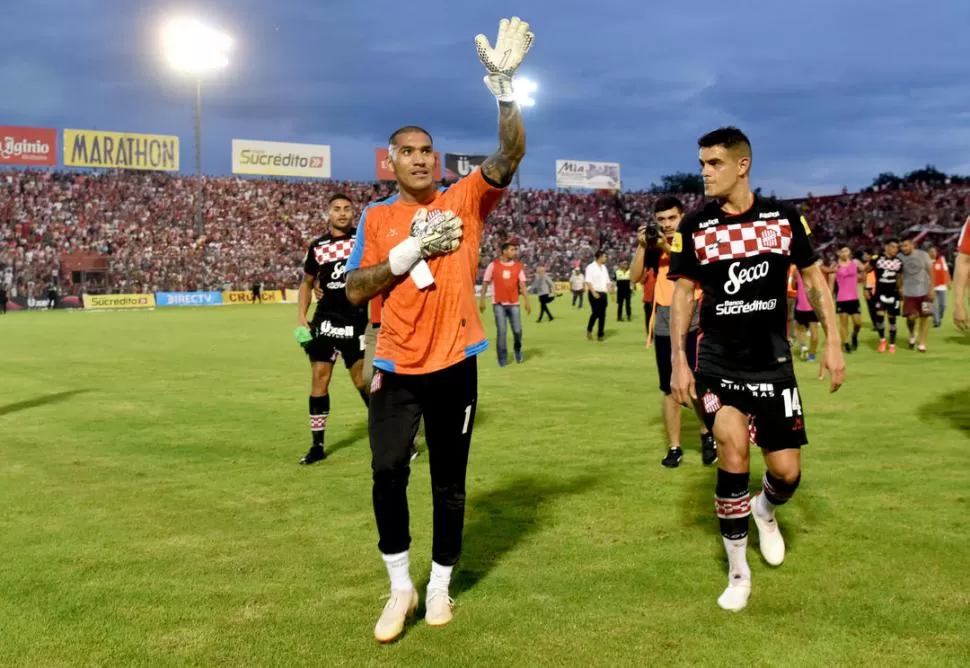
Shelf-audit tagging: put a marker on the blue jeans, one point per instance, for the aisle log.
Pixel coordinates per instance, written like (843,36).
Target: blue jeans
(504,314)
(939,307)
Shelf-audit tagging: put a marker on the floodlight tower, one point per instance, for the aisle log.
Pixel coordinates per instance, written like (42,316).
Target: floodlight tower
(524,90)
(195,49)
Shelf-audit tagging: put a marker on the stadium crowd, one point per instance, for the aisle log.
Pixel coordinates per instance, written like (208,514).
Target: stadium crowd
(257,230)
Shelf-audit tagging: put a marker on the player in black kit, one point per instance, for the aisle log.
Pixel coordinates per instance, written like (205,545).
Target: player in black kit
(337,327)
(889,287)
(738,249)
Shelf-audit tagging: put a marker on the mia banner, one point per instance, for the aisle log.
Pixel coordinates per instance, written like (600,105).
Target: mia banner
(586,174)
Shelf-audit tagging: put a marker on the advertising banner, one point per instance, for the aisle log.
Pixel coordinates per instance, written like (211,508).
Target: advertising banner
(585,174)
(118,301)
(246,297)
(120,150)
(275,158)
(384,172)
(188,298)
(459,165)
(30,147)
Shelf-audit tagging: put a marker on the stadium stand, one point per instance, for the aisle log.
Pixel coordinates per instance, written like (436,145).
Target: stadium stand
(143,226)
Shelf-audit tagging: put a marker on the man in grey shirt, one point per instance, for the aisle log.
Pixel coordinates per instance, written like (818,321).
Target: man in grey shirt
(545,290)
(918,294)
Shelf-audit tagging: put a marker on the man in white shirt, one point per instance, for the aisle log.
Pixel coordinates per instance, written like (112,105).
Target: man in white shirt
(598,286)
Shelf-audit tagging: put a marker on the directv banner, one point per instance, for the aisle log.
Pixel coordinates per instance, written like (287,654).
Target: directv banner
(273,158)
(585,174)
(459,165)
(188,298)
(120,150)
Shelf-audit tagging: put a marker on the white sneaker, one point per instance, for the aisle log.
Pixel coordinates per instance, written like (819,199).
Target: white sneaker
(400,606)
(735,597)
(770,540)
(438,607)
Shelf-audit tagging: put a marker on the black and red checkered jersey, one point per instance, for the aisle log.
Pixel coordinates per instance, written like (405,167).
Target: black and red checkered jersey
(326,259)
(741,264)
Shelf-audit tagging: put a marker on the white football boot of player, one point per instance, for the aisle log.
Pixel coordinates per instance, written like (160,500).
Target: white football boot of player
(400,606)
(770,540)
(735,597)
(438,607)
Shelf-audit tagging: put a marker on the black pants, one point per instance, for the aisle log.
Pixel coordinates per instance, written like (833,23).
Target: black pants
(544,301)
(647,312)
(623,297)
(447,400)
(578,296)
(598,306)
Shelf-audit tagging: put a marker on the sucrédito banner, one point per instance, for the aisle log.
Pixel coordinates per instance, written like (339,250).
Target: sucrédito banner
(586,174)
(188,298)
(121,150)
(28,146)
(384,172)
(119,301)
(274,158)
(246,297)
(562,287)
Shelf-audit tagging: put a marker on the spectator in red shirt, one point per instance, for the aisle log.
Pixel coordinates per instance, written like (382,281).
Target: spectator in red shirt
(507,278)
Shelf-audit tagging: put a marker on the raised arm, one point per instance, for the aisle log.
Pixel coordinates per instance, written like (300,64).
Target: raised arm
(499,168)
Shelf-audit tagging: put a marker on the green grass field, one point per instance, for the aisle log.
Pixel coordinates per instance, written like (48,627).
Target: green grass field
(154,512)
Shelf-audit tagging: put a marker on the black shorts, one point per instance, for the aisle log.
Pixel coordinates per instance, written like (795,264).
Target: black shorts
(446,399)
(886,303)
(326,348)
(805,318)
(774,409)
(664,366)
(850,307)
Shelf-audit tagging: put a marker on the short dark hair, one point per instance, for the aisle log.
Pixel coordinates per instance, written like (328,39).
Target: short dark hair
(509,244)
(891,240)
(668,202)
(408,128)
(600,253)
(729,137)
(336,197)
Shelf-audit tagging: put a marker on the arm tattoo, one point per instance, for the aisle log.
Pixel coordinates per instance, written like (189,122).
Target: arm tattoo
(366,283)
(501,165)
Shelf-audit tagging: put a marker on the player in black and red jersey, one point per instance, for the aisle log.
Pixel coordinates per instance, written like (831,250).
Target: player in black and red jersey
(888,268)
(337,327)
(738,249)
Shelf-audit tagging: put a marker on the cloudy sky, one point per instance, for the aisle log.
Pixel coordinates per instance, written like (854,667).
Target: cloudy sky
(830,91)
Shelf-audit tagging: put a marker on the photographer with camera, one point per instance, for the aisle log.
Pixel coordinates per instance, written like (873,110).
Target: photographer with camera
(653,250)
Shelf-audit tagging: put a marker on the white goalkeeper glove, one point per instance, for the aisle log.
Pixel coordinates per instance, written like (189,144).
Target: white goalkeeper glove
(513,42)
(429,237)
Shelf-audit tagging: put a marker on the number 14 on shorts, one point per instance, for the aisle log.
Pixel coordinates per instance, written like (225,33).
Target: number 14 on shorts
(793,404)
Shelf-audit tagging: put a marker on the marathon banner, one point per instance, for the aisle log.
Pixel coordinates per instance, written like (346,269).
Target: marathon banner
(132,301)
(120,150)
(585,174)
(459,165)
(274,158)
(30,147)
(384,172)
(188,298)
(246,297)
